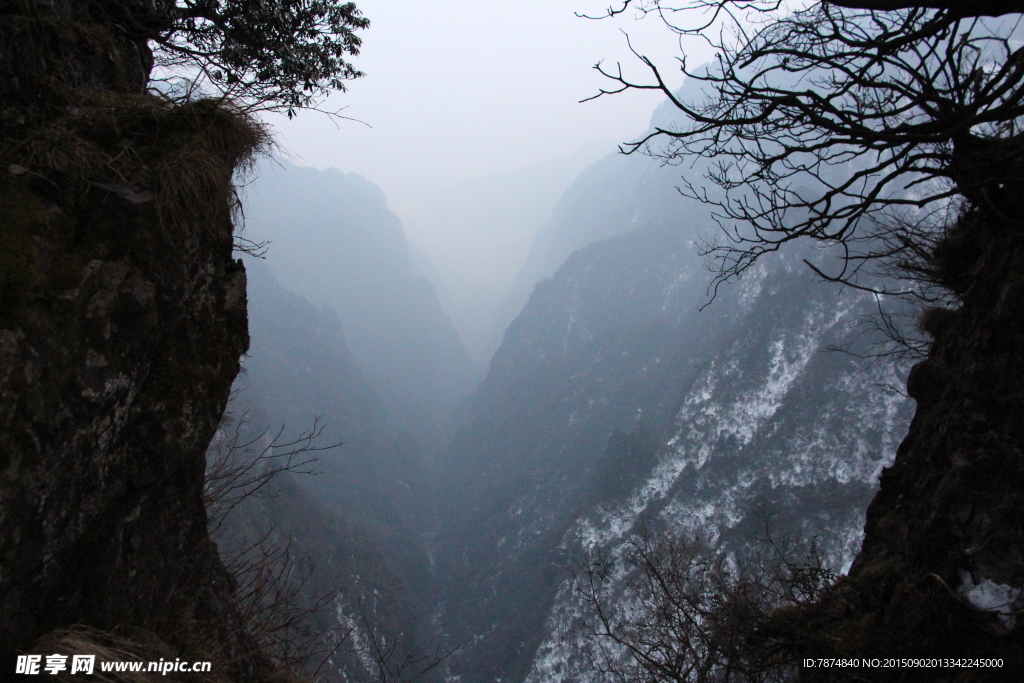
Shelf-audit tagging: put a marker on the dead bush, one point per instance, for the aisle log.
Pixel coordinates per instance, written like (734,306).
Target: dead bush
(241,461)
(673,608)
(279,608)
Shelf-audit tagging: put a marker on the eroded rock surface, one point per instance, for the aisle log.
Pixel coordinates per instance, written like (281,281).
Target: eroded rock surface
(941,570)
(119,341)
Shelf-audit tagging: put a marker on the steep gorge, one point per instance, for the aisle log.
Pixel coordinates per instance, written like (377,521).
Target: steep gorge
(614,402)
(611,403)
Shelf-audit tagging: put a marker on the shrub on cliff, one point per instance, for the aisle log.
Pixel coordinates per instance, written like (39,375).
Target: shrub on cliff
(281,55)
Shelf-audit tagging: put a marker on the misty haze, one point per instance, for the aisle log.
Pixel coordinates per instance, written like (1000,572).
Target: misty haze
(419,350)
(597,395)
(536,381)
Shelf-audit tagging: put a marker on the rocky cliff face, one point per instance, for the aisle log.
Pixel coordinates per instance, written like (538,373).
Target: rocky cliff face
(117,361)
(122,318)
(775,435)
(941,571)
(614,401)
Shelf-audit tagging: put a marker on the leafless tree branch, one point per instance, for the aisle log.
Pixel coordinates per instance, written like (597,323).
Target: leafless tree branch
(825,122)
(681,611)
(393,664)
(241,464)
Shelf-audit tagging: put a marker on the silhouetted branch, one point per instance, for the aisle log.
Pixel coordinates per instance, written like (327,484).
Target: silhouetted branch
(273,595)
(680,611)
(826,122)
(396,666)
(240,465)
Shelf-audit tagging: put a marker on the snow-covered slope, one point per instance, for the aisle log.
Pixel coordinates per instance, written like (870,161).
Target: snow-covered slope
(775,426)
(615,399)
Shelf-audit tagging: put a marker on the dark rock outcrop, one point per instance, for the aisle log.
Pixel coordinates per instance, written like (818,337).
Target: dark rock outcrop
(51,47)
(117,360)
(941,571)
(122,319)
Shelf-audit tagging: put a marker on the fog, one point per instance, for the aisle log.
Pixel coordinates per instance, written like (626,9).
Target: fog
(469,118)
(502,320)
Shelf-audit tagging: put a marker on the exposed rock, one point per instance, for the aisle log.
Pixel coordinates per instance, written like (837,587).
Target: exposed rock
(615,403)
(119,342)
(122,319)
(942,566)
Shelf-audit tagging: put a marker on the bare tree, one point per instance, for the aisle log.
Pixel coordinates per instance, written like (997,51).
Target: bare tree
(279,608)
(890,132)
(865,125)
(683,612)
(241,462)
(276,589)
(395,665)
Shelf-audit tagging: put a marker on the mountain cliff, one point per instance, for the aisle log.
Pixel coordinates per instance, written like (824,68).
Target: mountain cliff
(334,241)
(615,401)
(103,439)
(940,570)
(122,319)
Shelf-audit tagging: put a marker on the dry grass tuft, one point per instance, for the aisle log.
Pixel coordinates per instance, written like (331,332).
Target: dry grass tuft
(183,155)
(108,647)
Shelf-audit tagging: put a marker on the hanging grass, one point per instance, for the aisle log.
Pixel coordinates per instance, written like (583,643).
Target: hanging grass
(185,154)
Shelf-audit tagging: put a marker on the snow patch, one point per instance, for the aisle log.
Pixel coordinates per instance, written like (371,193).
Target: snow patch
(988,596)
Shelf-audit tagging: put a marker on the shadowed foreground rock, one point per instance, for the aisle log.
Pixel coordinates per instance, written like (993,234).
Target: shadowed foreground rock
(122,319)
(941,571)
(116,367)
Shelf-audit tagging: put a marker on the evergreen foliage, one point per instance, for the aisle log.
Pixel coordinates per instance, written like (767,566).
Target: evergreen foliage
(281,55)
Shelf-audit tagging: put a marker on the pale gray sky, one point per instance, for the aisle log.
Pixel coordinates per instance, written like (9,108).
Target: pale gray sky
(456,89)
(459,90)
